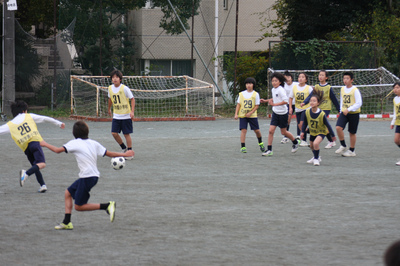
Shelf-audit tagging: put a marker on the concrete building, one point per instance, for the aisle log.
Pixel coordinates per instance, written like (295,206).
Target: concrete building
(163,54)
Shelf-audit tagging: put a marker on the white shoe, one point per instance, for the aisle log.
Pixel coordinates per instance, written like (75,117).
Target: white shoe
(349,153)
(22,177)
(42,189)
(341,149)
(330,145)
(398,163)
(312,160)
(316,162)
(268,153)
(303,144)
(295,147)
(284,140)
(128,158)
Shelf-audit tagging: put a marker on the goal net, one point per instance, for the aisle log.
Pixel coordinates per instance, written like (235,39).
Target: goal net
(375,85)
(156,98)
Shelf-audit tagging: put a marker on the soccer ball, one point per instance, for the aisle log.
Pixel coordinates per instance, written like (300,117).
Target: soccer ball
(118,163)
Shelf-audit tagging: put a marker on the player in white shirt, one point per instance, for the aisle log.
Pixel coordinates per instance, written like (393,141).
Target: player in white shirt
(86,152)
(396,115)
(289,83)
(279,118)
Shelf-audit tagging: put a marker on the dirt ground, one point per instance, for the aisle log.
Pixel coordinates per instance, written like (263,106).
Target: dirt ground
(191,198)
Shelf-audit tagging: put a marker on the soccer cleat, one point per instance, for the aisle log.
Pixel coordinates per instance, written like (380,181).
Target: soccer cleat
(330,145)
(22,177)
(268,153)
(243,150)
(284,140)
(42,189)
(295,147)
(349,153)
(129,157)
(262,147)
(316,162)
(63,226)
(312,160)
(341,150)
(303,143)
(111,210)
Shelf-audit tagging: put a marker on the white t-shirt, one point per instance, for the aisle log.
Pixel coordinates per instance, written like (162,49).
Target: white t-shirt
(86,152)
(289,88)
(279,95)
(37,118)
(128,94)
(247,95)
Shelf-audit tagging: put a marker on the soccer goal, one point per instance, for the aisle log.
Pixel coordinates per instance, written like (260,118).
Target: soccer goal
(158,98)
(375,85)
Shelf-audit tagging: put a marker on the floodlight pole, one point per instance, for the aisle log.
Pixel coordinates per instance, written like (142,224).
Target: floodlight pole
(8,84)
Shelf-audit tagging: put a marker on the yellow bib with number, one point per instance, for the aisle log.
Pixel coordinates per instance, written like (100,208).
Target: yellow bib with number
(397,114)
(326,102)
(316,125)
(300,96)
(246,105)
(119,100)
(25,132)
(348,99)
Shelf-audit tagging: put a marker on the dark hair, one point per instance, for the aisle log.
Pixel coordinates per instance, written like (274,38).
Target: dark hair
(304,75)
(18,107)
(250,80)
(80,130)
(326,73)
(396,83)
(117,73)
(279,76)
(288,74)
(317,94)
(392,255)
(348,73)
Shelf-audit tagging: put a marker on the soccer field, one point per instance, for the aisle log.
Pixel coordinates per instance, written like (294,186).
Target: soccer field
(191,198)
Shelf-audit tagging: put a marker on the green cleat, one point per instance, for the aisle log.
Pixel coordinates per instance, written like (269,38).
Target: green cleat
(262,147)
(243,150)
(111,210)
(63,226)
(268,153)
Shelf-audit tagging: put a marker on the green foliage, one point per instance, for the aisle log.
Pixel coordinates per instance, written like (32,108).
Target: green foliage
(254,65)
(57,113)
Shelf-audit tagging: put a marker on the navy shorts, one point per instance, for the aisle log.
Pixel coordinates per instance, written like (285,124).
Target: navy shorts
(397,129)
(80,189)
(298,116)
(312,138)
(253,121)
(327,112)
(124,125)
(351,119)
(279,120)
(34,152)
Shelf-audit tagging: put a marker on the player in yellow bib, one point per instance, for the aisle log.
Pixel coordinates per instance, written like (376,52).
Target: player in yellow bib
(396,115)
(315,119)
(246,111)
(299,94)
(24,132)
(328,98)
(350,108)
(121,99)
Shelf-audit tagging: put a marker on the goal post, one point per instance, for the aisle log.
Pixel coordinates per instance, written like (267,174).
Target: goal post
(157,98)
(375,85)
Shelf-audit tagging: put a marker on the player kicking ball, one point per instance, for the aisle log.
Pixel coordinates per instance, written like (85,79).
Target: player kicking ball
(86,152)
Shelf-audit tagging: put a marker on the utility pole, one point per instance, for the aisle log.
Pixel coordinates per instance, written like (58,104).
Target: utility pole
(54,88)
(236,43)
(8,84)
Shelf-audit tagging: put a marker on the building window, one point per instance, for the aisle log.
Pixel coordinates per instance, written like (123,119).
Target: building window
(225,4)
(166,67)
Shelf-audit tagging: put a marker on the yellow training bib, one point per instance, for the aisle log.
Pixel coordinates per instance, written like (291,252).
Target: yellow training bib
(397,114)
(25,132)
(300,96)
(120,102)
(348,99)
(316,125)
(326,102)
(246,105)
